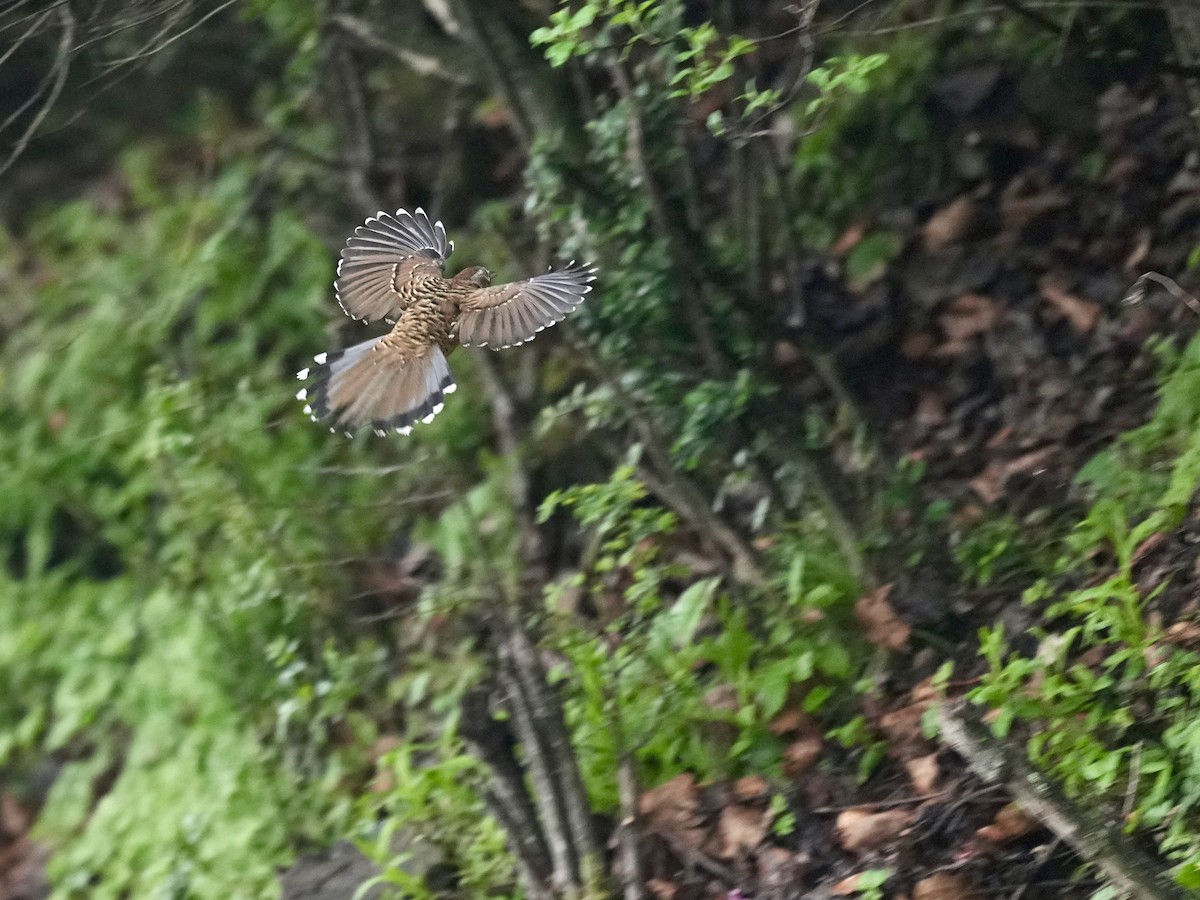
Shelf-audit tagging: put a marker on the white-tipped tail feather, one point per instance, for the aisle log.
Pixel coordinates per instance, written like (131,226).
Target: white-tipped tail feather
(371,384)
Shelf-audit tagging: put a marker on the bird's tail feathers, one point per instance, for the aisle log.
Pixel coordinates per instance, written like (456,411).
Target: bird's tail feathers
(373,384)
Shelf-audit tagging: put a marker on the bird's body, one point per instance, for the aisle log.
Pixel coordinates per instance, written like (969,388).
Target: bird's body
(432,310)
(393,269)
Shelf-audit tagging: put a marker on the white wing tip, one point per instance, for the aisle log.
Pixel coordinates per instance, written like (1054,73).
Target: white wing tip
(302,374)
(302,394)
(320,358)
(450,389)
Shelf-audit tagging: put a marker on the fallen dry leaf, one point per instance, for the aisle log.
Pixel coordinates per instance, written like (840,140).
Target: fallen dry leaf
(989,484)
(964,317)
(849,885)
(1185,634)
(1122,169)
(800,755)
(861,830)
(1140,251)
(944,886)
(903,726)
(739,830)
(1010,823)
(950,223)
(750,787)
(925,691)
(1082,314)
(1020,211)
(1000,437)
(672,809)
(930,411)
(849,239)
(917,345)
(882,626)
(791,720)
(923,772)
(1032,463)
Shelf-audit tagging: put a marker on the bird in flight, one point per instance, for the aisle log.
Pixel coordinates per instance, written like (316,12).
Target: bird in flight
(393,268)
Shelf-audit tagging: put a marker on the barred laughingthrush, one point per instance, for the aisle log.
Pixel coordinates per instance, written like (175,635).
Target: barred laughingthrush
(393,269)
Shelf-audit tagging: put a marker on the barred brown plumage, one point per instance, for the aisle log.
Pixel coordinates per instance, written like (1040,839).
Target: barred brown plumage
(393,268)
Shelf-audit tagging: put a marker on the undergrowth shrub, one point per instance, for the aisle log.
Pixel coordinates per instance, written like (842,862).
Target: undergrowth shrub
(1111,702)
(162,635)
(679,672)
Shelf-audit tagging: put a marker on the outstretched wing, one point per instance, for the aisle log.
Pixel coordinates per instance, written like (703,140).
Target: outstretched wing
(375,274)
(507,315)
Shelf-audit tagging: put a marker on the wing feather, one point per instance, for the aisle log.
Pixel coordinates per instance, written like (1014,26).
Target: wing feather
(506,315)
(380,261)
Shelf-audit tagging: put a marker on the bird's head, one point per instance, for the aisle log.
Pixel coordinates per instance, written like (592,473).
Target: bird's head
(477,275)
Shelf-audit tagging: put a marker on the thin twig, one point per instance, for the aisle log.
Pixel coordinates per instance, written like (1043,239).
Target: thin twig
(504,411)
(62,64)
(150,50)
(684,253)
(426,65)
(361,157)
(37,24)
(1137,293)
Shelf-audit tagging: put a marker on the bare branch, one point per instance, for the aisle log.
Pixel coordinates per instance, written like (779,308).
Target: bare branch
(1137,293)
(156,45)
(427,65)
(353,106)
(37,24)
(58,74)
(1101,842)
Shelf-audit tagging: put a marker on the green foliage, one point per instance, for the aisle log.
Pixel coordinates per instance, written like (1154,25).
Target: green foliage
(710,406)
(701,57)
(869,883)
(683,679)
(995,550)
(430,815)
(1113,707)
(599,26)
(160,621)
(869,115)
(697,58)
(1152,470)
